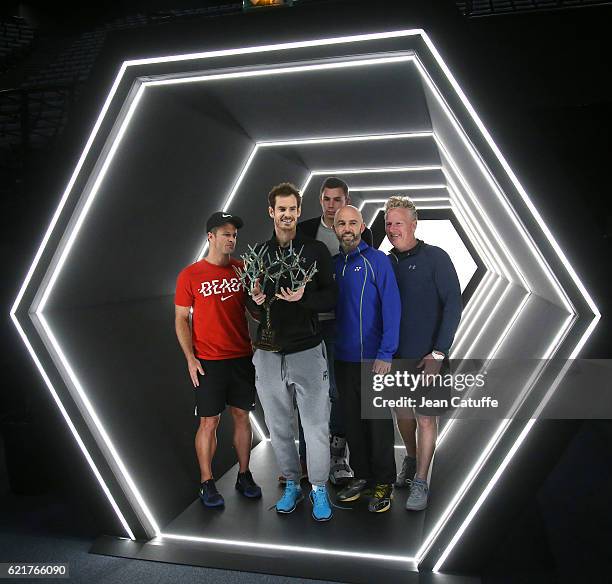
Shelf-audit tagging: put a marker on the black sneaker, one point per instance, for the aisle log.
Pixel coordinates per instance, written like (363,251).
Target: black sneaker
(381,498)
(209,495)
(247,486)
(353,490)
(404,478)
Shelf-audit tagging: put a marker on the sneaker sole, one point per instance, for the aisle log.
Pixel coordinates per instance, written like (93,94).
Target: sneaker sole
(349,499)
(298,500)
(420,508)
(321,520)
(383,510)
(241,491)
(208,506)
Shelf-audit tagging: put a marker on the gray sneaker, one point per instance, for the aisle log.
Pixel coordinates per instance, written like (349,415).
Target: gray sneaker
(419,491)
(404,478)
(354,490)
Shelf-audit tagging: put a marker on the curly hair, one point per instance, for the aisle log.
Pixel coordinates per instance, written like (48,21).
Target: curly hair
(398,202)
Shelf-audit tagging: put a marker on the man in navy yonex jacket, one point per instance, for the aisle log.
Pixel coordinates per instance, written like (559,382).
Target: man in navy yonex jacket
(367,320)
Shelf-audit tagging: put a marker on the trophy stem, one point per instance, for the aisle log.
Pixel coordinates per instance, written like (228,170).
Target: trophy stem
(266,341)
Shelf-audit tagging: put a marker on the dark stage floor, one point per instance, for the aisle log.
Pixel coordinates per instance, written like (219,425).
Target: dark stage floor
(396,532)
(355,546)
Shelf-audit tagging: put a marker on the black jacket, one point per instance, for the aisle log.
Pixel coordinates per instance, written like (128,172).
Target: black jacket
(311,226)
(296,324)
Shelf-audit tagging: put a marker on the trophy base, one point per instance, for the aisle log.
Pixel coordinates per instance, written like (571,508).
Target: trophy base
(266,341)
(266,346)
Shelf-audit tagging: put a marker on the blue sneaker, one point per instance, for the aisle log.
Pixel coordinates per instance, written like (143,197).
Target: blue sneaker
(321,507)
(209,495)
(247,486)
(291,497)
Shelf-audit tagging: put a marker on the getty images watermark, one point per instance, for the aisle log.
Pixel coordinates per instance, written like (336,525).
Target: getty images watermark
(492,389)
(430,390)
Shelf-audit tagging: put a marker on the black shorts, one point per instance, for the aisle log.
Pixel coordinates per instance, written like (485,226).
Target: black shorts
(226,381)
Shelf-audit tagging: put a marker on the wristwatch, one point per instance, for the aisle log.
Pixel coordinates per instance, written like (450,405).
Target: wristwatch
(438,355)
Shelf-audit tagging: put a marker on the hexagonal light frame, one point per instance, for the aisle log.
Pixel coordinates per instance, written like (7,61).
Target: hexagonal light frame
(454,179)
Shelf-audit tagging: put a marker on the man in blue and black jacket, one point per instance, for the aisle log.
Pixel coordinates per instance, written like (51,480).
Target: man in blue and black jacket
(367,329)
(334,194)
(431,311)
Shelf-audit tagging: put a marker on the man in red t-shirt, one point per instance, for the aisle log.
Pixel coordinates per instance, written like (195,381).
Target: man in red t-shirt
(218,348)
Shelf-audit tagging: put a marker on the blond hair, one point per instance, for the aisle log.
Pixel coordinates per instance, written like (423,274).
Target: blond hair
(398,202)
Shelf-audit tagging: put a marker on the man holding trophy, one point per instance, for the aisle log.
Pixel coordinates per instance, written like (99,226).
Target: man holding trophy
(289,279)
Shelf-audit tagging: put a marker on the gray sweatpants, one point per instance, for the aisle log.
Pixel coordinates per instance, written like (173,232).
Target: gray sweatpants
(278,378)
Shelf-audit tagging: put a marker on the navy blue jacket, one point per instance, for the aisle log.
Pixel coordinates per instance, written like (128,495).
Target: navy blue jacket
(368,309)
(431,300)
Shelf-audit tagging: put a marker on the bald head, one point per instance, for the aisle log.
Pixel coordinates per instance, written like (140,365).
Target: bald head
(348,211)
(348,225)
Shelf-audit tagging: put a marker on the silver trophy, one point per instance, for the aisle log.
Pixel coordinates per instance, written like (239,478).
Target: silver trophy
(286,266)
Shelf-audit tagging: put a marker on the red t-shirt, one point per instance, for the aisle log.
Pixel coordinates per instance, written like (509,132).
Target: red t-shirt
(219,324)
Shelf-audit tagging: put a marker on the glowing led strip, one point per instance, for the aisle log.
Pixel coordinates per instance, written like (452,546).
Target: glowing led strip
(67,190)
(555,246)
(98,424)
(359,38)
(424,207)
(280,71)
(517,184)
(346,139)
(456,348)
(414,199)
(484,457)
(531,245)
(290,548)
(232,194)
(493,481)
(478,228)
(485,218)
(486,283)
(427,204)
(341,171)
(67,246)
(488,320)
(73,429)
(474,237)
(399,188)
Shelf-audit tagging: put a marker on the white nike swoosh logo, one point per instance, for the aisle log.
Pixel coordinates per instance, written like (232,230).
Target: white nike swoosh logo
(224,298)
(224,215)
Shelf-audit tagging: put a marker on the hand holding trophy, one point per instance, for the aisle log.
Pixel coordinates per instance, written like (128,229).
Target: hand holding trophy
(286,267)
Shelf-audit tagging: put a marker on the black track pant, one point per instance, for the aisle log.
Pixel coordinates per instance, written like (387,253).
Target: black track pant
(372,456)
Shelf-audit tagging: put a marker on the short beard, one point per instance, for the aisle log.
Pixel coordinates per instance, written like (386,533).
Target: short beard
(348,248)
